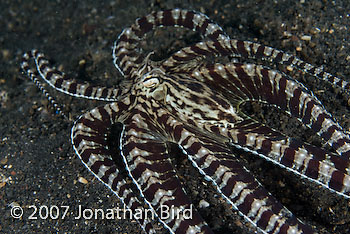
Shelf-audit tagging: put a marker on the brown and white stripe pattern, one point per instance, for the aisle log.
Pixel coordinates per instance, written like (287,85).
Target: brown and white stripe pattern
(247,49)
(254,82)
(146,158)
(197,107)
(234,182)
(90,142)
(312,163)
(61,82)
(125,52)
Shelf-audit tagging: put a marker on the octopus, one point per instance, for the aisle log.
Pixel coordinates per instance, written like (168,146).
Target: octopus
(192,103)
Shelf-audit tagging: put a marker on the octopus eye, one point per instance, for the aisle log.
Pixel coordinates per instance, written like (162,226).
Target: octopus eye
(152,82)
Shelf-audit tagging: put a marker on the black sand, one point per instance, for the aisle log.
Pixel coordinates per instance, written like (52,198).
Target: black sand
(37,163)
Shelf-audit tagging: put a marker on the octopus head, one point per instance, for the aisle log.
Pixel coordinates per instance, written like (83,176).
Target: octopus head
(151,85)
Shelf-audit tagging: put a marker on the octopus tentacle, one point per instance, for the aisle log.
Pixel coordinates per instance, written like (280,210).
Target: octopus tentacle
(247,49)
(234,182)
(255,83)
(258,51)
(308,161)
(126,55)
(61,82)
(33,75)
(196,105)
(90,141)
(146,159)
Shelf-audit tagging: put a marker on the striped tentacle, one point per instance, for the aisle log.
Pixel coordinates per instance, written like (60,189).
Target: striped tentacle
(194,52)
(146,157)
(126,55)
(34,77)
(308,161)
(61,82)
(90,141)
(254,82)
(246,49)
(220,47)
(258,51)
(234,182)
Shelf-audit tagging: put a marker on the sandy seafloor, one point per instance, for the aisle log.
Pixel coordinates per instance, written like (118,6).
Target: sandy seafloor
(37,163)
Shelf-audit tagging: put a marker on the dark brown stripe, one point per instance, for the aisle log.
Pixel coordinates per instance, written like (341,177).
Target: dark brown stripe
(241,49)
(145,26)
(312,169)
(281,98)
(218,46)
(246,206)
(317,125)
(188,22)
(294,102)
(328,134)
(203,28)
(260,52)
(105,116)
(168,19)
(336,181)
(199,50)
(289,61)
(111,170)
(104,93)
(248,82)
(266,87)
(288,157)
(58,83)
(242,138)
(72,88)
(96,166)
(49,75)
(264,219)
(278,58)
(307,113)
(43,66)
(266,147)
(88,91)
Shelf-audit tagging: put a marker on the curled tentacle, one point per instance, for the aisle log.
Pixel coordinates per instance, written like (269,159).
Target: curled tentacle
(147,161)
(307,161)
(234,182)
(61,82)
(90,141)
(249,82)
(126,55)
(247,49)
